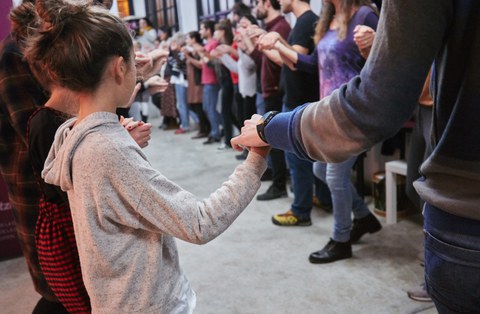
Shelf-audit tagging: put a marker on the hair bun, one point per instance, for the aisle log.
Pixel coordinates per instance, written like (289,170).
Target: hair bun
(55,13)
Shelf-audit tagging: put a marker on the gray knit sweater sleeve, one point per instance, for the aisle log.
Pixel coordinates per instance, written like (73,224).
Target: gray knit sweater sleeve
(166,207)
(145,199)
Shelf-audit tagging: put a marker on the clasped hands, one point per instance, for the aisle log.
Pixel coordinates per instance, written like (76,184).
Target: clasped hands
(138,130)
(249,138)
(149,64)
(262,39)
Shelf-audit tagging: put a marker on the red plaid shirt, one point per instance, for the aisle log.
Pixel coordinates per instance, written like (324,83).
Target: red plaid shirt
(20,95)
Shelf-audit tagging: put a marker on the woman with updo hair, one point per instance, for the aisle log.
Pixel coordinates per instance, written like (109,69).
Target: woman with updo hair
(125,213)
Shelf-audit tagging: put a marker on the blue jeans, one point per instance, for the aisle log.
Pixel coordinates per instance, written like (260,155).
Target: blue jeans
(210,99)
(452,261)
(260,104)
(345,198)
(182,106)
(302,183)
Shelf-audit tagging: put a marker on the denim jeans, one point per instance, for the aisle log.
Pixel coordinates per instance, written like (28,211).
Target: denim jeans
(182,106)
(210,99)
(302,183)
(345,198)
(260,104)
(452,261)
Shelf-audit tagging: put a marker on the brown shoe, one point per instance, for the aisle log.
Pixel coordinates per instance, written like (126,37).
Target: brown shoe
(199,135)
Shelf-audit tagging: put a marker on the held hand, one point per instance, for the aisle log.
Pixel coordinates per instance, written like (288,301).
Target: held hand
(254,31)
(157,81)
(267,41)
(134,94)
(140,132)
(150,64)
(215,53)
(223,49)
(262,151)
(248,137)
(363,36)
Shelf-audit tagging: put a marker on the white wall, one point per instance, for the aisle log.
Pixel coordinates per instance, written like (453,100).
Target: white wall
(187,15)
(316,5)
(139,8)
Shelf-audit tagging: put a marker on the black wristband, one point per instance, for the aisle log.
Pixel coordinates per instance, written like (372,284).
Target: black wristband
(262,123)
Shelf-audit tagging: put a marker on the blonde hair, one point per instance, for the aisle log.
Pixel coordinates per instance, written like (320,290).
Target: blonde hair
(346,11)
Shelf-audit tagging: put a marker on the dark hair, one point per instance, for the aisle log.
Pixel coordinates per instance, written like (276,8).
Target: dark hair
(240,9)
(22,18)
(167,30)
(195,36)
(226,26)
(74,43)
(209,24)
(275,4)
(251,18)
(149,23)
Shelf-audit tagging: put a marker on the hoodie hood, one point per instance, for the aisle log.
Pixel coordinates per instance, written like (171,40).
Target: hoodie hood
(58,165)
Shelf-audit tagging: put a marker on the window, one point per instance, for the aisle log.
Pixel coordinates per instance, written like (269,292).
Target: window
(217,9)
(124,8)
(162,13)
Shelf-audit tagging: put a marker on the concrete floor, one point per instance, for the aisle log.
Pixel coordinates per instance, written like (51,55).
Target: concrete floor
(256,267)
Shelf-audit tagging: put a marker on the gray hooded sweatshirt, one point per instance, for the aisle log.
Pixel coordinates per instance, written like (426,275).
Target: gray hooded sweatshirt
(126,215)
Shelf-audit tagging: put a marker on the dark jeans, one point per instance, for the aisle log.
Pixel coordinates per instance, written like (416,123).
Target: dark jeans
(452,261)
(277,157)
(301,172)
(228,118)
(204,125)
(245,106)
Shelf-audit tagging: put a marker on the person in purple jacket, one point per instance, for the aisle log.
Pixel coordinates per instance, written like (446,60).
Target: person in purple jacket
(337,58)
(375,104)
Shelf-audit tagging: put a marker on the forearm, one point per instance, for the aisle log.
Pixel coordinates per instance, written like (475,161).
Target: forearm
(274,56)
(200,221)
(288,55)
(374,105)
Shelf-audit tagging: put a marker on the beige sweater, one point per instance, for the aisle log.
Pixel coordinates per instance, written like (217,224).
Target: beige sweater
(126,215)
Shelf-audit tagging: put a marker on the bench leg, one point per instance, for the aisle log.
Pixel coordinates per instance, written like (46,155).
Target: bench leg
(391,197)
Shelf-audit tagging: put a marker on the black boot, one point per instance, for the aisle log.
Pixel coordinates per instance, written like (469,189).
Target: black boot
(144,118)
(368,224)
(272,193)
(332,252)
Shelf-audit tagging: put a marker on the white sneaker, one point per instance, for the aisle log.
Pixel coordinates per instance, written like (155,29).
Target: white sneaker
(224,147)
(419,293)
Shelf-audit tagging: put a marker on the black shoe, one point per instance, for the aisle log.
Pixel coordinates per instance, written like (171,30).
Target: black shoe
(368,224)
(211,140)
(267,175)
(272,193)
(242,156)
(199,135)
(332,252)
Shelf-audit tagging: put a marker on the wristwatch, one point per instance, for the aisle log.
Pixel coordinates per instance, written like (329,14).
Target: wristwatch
(262,123)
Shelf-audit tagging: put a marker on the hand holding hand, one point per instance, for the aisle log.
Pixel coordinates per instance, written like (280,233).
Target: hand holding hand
(248,137)
(134,94)
(157,81)
(141,133)
(268,40)
(262,151)
(223,49)
(363,36)
(149,64)
(254,31)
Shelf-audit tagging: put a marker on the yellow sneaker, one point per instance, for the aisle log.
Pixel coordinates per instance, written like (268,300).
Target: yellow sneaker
(289,219)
